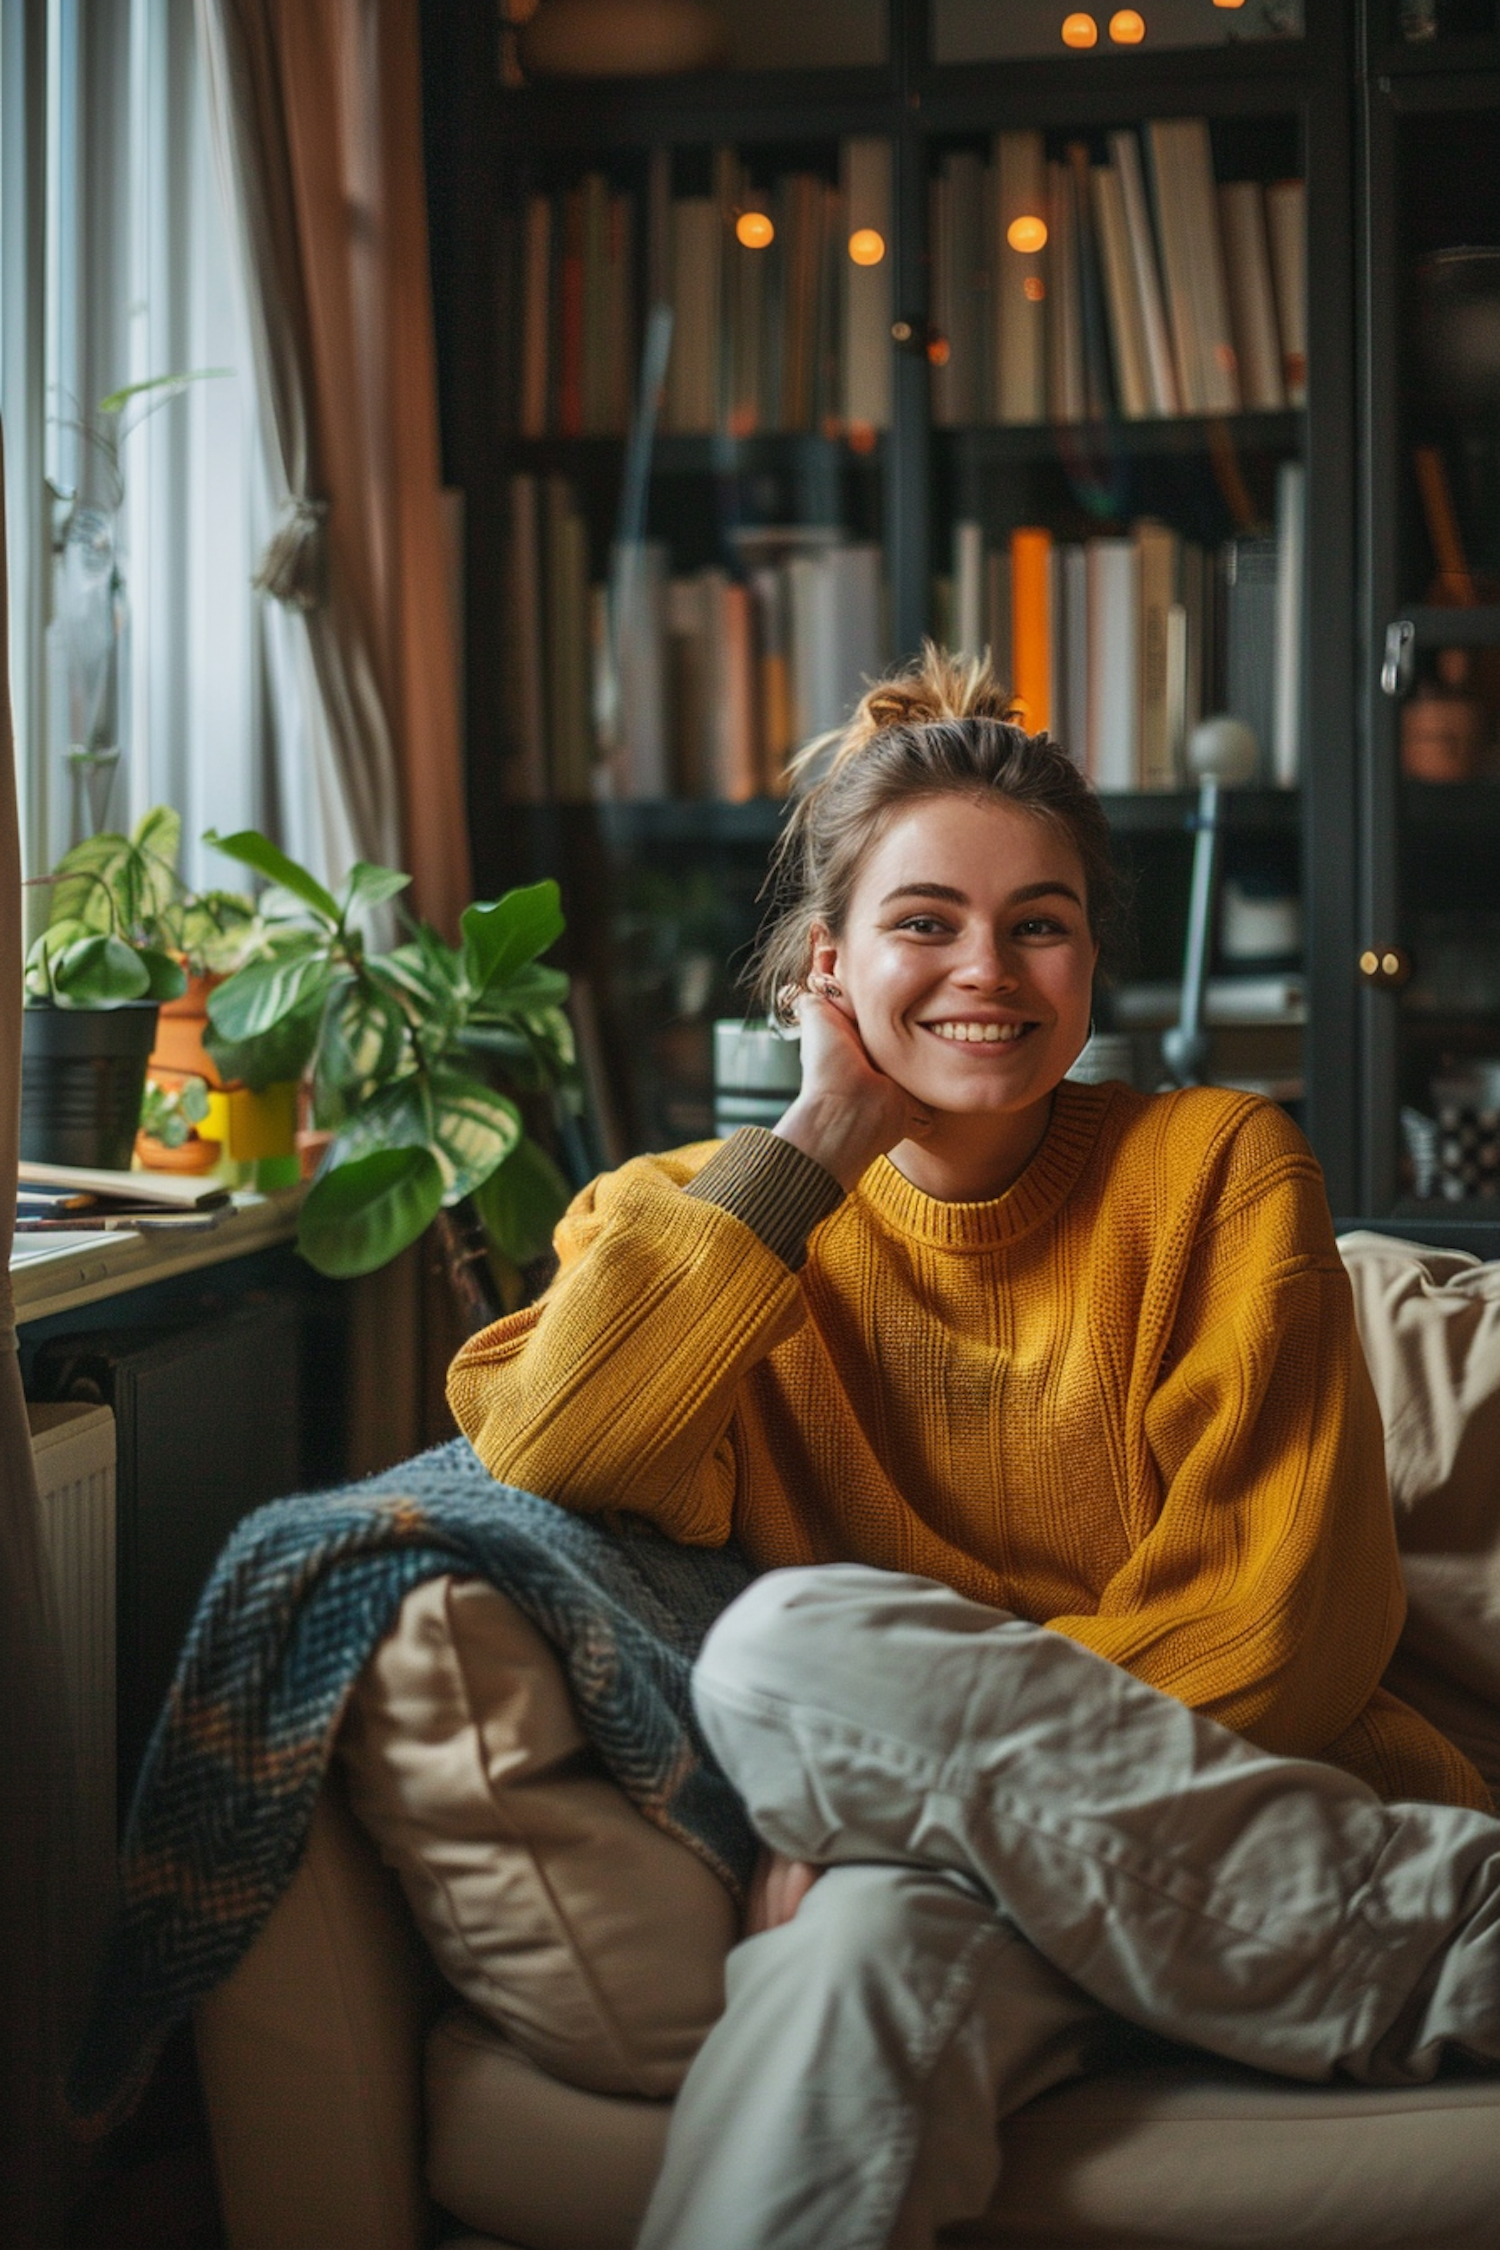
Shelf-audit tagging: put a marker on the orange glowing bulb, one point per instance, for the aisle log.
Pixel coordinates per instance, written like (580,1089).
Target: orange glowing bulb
(1080,31)
(754,230)
(1229,3)
(1035,288)
(866,246)
(1127,28)
(1027,233)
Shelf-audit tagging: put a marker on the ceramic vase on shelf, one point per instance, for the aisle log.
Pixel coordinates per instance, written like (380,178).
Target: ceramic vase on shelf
(620,38)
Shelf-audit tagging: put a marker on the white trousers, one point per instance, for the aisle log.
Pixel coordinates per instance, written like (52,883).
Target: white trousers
(1029,1851)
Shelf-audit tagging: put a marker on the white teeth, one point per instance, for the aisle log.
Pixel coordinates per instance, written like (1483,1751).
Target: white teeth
(986,1034)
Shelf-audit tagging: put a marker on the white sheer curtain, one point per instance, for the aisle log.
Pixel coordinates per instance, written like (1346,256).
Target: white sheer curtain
(143,279)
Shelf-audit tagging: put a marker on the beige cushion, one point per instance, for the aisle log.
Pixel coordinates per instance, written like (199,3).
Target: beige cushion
(513,2152)
(591,1938)
(1430,1324)
(1178,2158)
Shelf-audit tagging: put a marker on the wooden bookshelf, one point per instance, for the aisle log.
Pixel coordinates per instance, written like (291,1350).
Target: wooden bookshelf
(1271,105)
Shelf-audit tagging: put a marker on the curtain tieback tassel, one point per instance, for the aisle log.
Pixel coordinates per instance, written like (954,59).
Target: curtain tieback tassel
(294,567)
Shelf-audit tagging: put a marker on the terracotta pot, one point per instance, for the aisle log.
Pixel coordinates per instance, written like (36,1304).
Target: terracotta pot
(620,38)
(194,1156)
(179,1051)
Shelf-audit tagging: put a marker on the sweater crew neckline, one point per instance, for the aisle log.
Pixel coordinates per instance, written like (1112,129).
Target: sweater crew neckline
(1077,1114)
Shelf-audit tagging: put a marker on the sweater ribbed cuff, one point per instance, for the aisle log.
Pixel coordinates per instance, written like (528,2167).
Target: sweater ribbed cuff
(779,1193)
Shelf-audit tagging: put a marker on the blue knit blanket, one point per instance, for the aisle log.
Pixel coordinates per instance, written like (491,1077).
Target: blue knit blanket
(300,1596)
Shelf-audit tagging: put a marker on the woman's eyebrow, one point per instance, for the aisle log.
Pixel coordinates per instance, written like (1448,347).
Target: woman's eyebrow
(1027,892)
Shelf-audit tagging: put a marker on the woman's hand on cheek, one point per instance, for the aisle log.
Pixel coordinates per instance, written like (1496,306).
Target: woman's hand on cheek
(848,1111)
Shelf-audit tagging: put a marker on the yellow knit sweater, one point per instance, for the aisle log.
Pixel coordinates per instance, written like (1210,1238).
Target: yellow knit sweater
(1125,1399)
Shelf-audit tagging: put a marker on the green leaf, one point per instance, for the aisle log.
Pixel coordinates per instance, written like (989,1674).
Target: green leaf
(467,1126)
(215,929)
(521,1202)
(92,884)
(500,938)
(99,972)
(159,832)
(254,850)
(168,384)
(369,885)
(363,1035)
(361,1214)
(535,985)
(258,996)
(280,1053)
(166,979)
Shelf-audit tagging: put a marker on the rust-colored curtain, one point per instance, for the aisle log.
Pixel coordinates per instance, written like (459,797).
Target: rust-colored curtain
(33,1770)
(316,108)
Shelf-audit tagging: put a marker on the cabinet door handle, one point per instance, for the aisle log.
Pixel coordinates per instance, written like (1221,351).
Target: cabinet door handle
(1387,967)
(1399,667)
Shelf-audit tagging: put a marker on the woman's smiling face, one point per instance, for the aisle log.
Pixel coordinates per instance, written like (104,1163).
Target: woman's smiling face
(967,957)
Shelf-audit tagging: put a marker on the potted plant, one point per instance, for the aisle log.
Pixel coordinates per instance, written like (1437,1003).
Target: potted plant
(124,938)
(415,1056)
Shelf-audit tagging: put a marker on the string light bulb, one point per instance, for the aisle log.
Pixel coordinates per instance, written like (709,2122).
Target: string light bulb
(754,230)
(1080,31)
(1027,233)
(1127,27)
(866,246)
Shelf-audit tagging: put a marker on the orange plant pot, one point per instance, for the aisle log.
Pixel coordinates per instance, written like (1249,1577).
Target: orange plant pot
(179,1051)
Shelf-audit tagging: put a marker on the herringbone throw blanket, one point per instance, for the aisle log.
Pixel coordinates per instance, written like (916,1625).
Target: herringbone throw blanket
(297,1601)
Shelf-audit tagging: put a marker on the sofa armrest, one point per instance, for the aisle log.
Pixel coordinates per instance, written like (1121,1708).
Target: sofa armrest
(311,2059)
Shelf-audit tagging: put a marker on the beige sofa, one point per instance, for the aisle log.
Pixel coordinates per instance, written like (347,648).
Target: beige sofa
(358,2097)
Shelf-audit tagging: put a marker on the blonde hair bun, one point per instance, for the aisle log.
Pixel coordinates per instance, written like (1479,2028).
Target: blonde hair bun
(934,686)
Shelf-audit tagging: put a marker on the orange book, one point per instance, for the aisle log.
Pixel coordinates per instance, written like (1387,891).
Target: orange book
(1031,625)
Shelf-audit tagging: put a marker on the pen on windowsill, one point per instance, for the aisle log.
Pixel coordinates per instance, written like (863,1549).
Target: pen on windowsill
(139,1222)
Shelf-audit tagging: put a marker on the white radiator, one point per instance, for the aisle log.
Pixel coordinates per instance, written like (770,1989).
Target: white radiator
(74,1448)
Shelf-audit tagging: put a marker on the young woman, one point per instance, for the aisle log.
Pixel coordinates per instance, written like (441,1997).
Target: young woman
(1000,1375)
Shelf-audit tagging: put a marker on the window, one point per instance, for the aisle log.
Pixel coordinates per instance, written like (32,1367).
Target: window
(145,667)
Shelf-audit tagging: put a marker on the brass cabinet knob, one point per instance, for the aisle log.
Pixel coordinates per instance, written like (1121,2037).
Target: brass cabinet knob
(1387,967)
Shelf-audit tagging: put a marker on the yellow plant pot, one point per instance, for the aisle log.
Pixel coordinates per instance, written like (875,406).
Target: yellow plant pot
(251,1127)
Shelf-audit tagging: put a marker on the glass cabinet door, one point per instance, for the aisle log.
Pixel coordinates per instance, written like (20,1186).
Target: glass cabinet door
(1430,957)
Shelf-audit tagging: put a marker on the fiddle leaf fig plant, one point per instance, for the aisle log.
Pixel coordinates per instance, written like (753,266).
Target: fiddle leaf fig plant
(122,925)
(414,1053)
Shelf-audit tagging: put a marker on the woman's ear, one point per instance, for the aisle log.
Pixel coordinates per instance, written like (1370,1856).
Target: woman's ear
(825,951)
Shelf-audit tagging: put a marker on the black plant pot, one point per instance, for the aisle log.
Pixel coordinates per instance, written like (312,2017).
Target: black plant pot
(83,1072)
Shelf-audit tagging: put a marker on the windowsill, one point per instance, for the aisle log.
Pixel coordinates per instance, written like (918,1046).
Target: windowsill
(55,1276)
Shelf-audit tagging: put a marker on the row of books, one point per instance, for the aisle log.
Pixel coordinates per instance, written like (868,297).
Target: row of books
(1120,645)
(783,331)
(649,684)
(1068,289)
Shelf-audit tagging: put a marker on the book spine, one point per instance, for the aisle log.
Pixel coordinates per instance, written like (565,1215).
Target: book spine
(1098,387)
(1114,643)
(969,292)
(1208,286)
(1286,228)
(536,356)
(1252,304)
(941,300)
(524,646)
(1065,379)
(1072,728)
(1019,285)
(1286,719)
(1166,388)
(997,614)
(1250,607)
(1156,578)
(967,634)
(1031,625)
(1121,296)
(570,319)
(866,163)
(1176,261)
